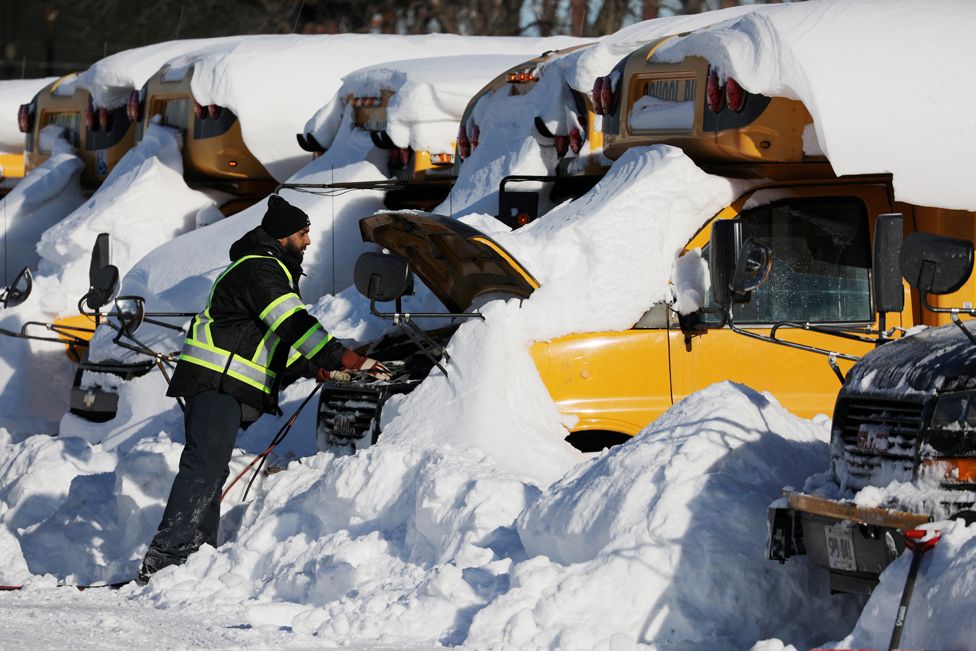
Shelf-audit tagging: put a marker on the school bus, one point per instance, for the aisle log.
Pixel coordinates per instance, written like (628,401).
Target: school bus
(615,383)
(101,136)
(574,138)
(418,178)
(213,148)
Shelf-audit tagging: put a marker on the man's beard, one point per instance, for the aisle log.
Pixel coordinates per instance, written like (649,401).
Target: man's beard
(294,252)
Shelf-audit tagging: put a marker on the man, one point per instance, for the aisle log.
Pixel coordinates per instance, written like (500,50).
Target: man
(253,337)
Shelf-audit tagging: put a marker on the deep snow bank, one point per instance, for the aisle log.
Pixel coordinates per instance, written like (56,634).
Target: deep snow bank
(602,261)
(940,614)
(654,541)
(150,175)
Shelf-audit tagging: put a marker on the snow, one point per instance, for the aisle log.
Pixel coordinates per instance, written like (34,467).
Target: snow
(470,523)
(429,97)
(269,83)
(780,51)
(13,93)
(113,78)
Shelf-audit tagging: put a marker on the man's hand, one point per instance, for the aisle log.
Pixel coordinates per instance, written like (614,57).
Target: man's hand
(323,375)
(368,365)
(376,369)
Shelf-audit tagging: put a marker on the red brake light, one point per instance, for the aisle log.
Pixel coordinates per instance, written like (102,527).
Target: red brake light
(735,96)
(598,96)
(575,140)
(606,96)
(714,92)
(104,119)
(562,145)
(134,107)
(463,144)
(475,134)
(214,111)
(90,115)
(25,118)
(199,111)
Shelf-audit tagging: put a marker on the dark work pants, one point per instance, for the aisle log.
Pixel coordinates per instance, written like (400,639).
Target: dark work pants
(192,512)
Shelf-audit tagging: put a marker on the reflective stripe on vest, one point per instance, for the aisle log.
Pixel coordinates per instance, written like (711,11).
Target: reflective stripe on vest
(216,359)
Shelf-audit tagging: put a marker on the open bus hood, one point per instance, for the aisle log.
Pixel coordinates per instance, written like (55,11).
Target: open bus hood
(457,262)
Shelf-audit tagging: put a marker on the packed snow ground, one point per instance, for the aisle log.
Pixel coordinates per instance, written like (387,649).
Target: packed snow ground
(478,528)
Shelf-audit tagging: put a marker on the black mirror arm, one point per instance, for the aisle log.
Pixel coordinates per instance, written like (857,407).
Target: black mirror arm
(832,356)
(953,313)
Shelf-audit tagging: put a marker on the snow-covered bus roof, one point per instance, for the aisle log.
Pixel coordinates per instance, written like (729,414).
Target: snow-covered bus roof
(13,93)
(429,96)
(274,83)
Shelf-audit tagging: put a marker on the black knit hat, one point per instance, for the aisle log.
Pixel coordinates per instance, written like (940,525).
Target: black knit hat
(282,219)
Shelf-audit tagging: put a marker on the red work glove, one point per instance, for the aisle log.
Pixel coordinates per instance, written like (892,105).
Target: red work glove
(324,375)
(371,366)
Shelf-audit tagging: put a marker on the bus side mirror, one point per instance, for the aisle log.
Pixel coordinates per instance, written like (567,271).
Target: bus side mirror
(101,257)
(382,278)
(130,310)
(722,250)
(103,285)
(935,264)
(19,290)
(751,267)
(889,296)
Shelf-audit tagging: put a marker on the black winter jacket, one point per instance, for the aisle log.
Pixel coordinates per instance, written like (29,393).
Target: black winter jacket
(255,334)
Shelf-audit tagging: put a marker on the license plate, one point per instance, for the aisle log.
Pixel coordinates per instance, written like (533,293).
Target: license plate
(840,548)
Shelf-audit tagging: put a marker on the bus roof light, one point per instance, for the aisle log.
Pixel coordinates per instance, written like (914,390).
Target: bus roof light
(598,96)
(25,118)
(475,136)
(714,92)
(735,95)
(199,110)
(463,144)
(606,96)
(104,119)
(562,145)
(134,107)
(90,115)
(214,111)
(575,140)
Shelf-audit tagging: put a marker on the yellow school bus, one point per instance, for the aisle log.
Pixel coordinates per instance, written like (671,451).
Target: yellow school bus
(213,148)
(100,136)
(821,225)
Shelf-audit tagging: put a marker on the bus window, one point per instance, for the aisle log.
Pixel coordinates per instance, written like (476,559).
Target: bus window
(821,263)
(176,113)
(118,126)
(210,127)
(72,127)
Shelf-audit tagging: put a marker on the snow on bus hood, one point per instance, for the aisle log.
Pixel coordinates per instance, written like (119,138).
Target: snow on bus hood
(457,262)
(870,90)
(274,83)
